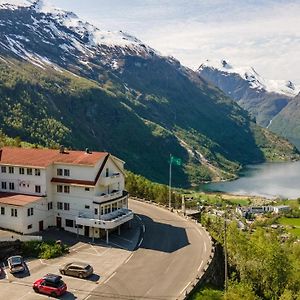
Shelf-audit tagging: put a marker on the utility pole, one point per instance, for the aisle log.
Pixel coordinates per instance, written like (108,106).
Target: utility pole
(225,253)
(170,181)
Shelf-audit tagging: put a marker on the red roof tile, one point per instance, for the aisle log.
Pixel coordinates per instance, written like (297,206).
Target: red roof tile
(17,199)
(44,157)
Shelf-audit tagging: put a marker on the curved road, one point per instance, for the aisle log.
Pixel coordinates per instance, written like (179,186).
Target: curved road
(171,252)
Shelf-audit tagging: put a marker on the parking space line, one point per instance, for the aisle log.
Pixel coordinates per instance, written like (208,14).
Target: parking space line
(185,288)
(200,266)
(128,258)
(95,250)
(139,245)
(77,247)
(24,296)
(110,277)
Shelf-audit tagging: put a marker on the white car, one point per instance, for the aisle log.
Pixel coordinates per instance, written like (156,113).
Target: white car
(16,264)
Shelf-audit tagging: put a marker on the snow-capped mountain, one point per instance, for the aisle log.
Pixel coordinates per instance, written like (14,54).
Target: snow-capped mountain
(61,38)
(262,98)
(255,80)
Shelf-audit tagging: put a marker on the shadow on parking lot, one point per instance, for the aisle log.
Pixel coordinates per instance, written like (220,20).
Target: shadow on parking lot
(94,277)
(162,236)
(67,296)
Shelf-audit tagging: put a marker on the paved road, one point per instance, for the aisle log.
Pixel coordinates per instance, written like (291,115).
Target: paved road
(171,252)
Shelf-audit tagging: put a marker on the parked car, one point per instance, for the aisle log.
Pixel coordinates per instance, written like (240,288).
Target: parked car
(16,264)
(51,285)
(77,269)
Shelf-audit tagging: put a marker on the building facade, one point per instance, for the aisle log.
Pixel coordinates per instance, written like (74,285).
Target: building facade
(79,191)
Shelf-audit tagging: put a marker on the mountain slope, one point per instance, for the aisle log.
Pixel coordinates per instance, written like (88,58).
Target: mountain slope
(262,99)
(287,122)
(63,81)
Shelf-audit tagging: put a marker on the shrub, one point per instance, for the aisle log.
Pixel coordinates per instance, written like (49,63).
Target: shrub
(45,250)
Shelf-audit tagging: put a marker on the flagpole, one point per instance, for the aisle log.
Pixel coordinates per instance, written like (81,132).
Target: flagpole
(170,180)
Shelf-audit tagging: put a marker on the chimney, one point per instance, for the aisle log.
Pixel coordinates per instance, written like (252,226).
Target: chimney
(62,149)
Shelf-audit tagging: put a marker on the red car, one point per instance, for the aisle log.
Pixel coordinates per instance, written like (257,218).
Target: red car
(51,285)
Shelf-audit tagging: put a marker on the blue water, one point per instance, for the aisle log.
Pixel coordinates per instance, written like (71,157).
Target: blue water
(269,180)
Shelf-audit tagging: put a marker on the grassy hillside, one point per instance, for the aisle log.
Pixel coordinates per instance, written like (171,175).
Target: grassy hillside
(142,124)
(287,122)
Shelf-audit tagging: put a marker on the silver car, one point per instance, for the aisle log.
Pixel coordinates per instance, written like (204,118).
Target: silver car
(16,264)
(77,269)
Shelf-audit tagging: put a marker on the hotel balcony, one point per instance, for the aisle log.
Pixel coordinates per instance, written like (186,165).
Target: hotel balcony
(107,197)
(114,178)
(107,221)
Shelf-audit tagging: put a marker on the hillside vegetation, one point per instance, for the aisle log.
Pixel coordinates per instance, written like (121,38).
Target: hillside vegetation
(50,108)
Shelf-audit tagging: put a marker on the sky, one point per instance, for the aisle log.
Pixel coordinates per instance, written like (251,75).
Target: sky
(264,34)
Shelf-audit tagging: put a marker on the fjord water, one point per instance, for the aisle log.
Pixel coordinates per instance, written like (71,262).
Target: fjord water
(269,180)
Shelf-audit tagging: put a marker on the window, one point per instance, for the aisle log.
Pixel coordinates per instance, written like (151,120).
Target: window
(66,172)
(69,223)
(87,206)
(59,172)
(79,226)
(96,211)
(29,171)
(30,211)
(50,205)
(67,189)
(114,206)
(14,212)
(3,185)
(107,172)
(59,205)
(29,226)
(21,171)
(11,170)
(3,169)
(11,186)
(66,206)
(38,189)
(87,189)
(59,188)
(37,172)
(2,210)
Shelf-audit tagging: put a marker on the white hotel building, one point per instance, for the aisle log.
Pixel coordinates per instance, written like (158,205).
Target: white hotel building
(79,191)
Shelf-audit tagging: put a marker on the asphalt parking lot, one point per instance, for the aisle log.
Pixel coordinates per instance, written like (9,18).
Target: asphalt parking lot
(105,259)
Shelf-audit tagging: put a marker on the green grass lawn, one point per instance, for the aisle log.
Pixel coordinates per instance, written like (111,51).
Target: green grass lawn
(291,222)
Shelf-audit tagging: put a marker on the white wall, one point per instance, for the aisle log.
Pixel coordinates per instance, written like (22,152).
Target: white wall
(21,222)
(30,181)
